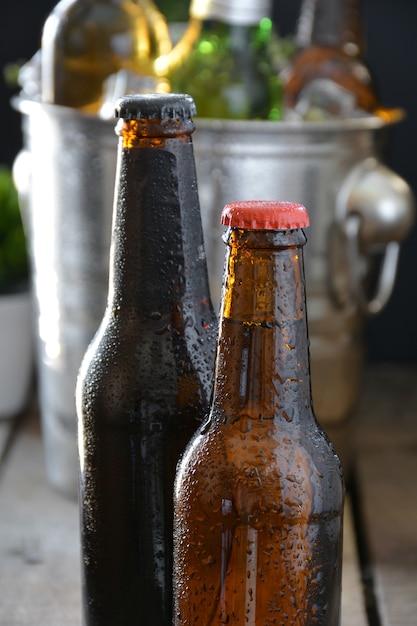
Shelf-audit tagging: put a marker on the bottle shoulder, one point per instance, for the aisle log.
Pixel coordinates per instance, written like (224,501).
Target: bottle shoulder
(128,331)
(151,358)
(282,468)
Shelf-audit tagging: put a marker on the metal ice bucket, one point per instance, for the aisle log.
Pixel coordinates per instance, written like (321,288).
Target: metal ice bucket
(359,210)
(66,174)
(65,177)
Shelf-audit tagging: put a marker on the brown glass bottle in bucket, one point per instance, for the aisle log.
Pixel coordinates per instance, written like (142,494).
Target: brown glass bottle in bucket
(331,51)
(145,383)
(259,491)
(86,42)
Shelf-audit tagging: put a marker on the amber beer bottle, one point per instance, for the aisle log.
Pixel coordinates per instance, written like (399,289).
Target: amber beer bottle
(85,42)
(145,383)
(331,50)
(259,491)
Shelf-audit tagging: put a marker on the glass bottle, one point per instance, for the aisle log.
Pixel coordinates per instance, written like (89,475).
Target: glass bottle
(174,12)
(230,73)
(328,76)
(145,382)
(259,491)
(86,42)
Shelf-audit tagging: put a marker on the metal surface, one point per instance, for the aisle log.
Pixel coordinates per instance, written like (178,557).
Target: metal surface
(374,212)
(71,159)
(331,168)
(66,177)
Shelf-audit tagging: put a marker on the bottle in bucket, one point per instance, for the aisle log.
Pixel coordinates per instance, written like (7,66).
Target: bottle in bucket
(230,72)
(259,491)
(145,383)
(86,44)
(328,77)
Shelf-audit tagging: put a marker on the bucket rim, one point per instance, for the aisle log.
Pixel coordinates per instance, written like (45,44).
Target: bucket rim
(388,117)
(30,107)
(367,122)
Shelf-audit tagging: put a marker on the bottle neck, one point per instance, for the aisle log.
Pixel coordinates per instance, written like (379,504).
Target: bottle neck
(263,369)
(332,23)
(157,258)
(238,12)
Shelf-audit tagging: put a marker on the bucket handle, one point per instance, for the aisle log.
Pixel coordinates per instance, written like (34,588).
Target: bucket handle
(387,271)
(374,213)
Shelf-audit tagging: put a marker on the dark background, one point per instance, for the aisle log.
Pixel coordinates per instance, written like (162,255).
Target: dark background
(391,44)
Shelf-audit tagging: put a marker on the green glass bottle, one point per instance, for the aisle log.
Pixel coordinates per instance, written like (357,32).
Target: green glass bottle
(175,11)
(230,72)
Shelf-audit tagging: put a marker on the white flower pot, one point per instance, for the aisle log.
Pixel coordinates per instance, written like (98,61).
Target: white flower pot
(16,352)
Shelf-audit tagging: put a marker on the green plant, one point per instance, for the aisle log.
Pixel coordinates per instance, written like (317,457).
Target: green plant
(14,265)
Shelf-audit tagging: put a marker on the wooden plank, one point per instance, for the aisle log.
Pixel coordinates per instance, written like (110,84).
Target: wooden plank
(39,555)
(386,448)
(8,428)
(39,547)
(353,603)
(5,426)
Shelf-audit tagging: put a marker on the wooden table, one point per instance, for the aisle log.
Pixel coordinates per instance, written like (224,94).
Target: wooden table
(39,543)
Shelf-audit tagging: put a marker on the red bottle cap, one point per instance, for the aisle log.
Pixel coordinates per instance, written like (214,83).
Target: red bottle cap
(265,215)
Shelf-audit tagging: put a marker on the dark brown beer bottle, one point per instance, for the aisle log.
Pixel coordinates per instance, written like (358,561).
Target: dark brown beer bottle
(330,42)
(259,491)
(145,383)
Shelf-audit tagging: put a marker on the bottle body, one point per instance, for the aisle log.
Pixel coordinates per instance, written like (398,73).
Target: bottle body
(329,72)
(263,558)
(145,383)
(174,12)
(259,493)
(230,72)
(85,42)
